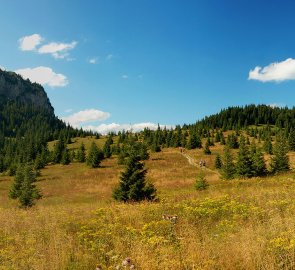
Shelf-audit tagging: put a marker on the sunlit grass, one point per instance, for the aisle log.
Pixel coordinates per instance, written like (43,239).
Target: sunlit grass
(236,224)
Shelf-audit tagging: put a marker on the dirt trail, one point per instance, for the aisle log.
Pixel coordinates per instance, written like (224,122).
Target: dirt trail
(192,161)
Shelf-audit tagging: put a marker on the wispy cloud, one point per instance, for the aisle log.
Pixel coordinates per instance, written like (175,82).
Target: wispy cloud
(93,60)
(109,57)
(44,76)
(29,43)
(124,76)
(57,50)
(115,127)
(274,72)
(89,115)
(68,110)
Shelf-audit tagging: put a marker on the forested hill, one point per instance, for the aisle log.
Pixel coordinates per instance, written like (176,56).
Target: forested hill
(27,122)
(240,117)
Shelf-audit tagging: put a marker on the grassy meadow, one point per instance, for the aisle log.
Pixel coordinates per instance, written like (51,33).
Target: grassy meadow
(235,224)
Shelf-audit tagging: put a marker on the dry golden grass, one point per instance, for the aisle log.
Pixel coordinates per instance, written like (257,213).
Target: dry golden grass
(237,224)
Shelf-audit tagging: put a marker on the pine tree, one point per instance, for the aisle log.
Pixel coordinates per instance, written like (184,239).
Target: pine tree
(194,141)
(132,185)
(267,145)
(258,162)
(218,162)
(65,158)
(24,188)
(217,137)
(59,148)
(228,167)
(291,140)
(244,162)
(155,147)
(81,156)
(107,147)
(95,156)
(15,190)
(280,160)
(207,150)
(232,141)
(201,182)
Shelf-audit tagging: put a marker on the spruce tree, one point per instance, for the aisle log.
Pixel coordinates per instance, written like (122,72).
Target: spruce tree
(207,150)
(291,140)
(65,158)
(217,137)
(59,148)
(244,162)
(132,185)
(218,162)
(107,147)
(267,145)
(258,162)
(95,156)
(194,141)
(24,188)
(201,182)
(81,156)
(15,190)
(228,167)
(280,160)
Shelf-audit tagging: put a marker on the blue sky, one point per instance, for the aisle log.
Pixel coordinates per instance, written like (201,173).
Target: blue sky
(110,64)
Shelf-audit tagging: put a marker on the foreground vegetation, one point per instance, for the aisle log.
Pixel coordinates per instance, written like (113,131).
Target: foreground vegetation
(234,224)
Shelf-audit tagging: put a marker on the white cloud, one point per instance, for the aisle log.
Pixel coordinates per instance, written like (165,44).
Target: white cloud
(92,61)
(114,127)
(110,57)
(29,43)
(57,50)
(88,115)
(43,76)
(124,76)
(3,68)
(278,72)
(68,110)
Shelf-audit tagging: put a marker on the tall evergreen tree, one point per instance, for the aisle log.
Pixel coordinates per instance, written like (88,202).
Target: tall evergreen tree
(218,162)
(207,150)
(258,162)
(81,155)
(244,162)
(24,188)
(65,158)
(291,140)
(267,145)
(194,141)
(107,147)
(228,167)
(59,148)
(132,185)
(95,156)
(280,160)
